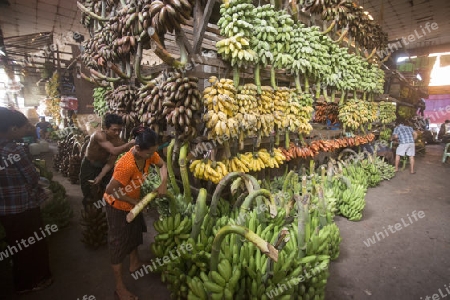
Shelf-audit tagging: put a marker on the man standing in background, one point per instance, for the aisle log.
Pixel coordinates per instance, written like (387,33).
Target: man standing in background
(405,136)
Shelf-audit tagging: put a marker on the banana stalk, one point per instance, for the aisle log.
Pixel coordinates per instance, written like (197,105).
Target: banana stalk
(301,223)
(287,181)
(183,53)
(264,246)
(90,13)
(137,65)
(257,78)
(322,207)
(333,94)
(341,37)
(173,182)
(184,173)
(287,140)
(140,206)
(245,207)
(236,76)
(219,188)
(298,86)
(273,77)
(341,101)
(329,28)
(119,72)
(200,212)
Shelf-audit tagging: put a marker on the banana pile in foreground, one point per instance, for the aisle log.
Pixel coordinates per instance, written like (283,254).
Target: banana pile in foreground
(247,251)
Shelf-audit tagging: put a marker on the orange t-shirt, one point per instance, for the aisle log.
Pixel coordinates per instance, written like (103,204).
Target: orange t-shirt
(127,173)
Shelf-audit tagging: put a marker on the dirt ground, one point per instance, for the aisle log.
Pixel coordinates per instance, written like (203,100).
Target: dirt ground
(406,261)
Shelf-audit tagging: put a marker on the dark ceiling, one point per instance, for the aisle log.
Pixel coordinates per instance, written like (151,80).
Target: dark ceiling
(26,24)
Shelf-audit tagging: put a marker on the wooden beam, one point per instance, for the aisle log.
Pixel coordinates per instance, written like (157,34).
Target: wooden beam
(201,22)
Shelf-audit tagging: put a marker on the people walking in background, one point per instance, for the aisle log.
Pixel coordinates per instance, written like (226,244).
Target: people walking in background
(20,199)
(101,153)
(122,194)
(43,128)
(405,136)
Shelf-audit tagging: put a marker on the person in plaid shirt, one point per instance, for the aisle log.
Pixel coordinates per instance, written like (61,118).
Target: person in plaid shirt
(405,136)
(20,199)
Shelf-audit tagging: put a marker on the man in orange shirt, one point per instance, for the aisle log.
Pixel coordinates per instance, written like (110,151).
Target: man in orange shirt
(122,194)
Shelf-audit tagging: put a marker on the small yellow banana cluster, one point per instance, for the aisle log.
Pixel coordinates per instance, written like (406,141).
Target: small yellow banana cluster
(297,123)
(353,114)
(236,49)
(209,170)
(246,98)
(265,124)
(266,100)
(220,127)
(281,104)
(220,96)
(256,161)
(305,101)
(372,107)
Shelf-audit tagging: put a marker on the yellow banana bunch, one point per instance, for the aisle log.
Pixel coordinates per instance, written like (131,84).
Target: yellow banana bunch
(253,161)
(372,107)
(281,104)
(220,96)
(269,159)
(236,49)
(235,164)
(209,170)
(353,114)
(266,100)
(266,124)
(387,112)
(246,98)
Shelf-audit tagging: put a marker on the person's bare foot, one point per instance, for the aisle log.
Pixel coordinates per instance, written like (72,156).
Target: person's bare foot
(124,294)
(134,266)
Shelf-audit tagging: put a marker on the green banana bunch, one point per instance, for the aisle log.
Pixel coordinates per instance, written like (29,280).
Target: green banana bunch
(100,104)
(352,202)
(386,112)
(353,114)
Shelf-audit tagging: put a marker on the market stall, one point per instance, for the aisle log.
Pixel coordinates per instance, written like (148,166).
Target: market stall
(265,112)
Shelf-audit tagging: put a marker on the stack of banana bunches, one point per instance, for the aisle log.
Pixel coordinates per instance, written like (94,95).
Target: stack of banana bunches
(271,240)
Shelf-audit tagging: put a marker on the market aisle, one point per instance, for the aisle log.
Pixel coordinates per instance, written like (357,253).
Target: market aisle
(410,261)
(408,264)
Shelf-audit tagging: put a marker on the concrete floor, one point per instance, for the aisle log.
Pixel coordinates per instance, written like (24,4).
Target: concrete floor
(409,264)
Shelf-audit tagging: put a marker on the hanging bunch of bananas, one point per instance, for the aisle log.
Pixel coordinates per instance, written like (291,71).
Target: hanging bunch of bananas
(353,114)
(236,49)
(386,134)
(167,15)
(100,104)
(121,101)
(149,103)
(221,96)
(208,170)
(295,113)
(236,24)
(235,164)
(94,6)
(305,101)
(246,99)
(271,159)
(174,102)
(266,100)
(181,101)
(281,47)
(221,101)
(265,34)
(326,110)
(237,17)
(372,108)
(98,50)
(280,107)
(387,112)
